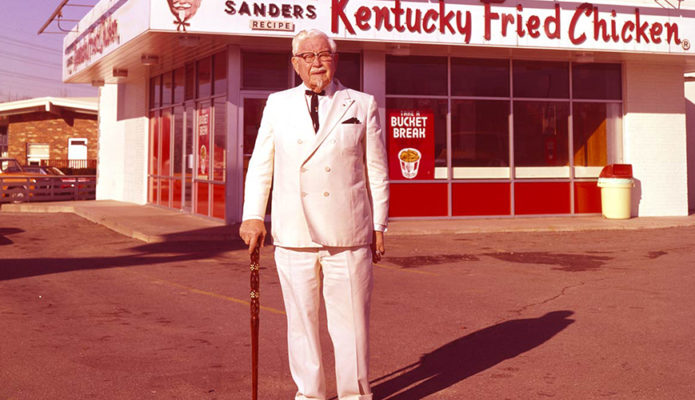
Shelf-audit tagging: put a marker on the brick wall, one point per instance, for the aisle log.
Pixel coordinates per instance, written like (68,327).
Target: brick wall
(55,130)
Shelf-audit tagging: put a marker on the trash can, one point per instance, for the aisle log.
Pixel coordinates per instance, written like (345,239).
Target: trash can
(616,185)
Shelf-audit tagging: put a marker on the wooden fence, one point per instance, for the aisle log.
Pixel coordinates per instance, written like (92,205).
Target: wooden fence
(15,189)
(67,164)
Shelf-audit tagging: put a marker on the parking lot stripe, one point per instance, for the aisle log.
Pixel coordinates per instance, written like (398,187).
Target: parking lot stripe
(218,296)
(205,293)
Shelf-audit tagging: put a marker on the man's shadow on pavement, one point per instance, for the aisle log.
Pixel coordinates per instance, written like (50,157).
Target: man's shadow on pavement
(8,231)
(175,250)
(469,355)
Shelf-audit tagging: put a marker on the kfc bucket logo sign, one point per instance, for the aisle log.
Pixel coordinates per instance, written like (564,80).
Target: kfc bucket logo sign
(183,10)
(411,144)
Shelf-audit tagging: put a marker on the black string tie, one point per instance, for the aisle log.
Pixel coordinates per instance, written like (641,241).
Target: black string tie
(314,108)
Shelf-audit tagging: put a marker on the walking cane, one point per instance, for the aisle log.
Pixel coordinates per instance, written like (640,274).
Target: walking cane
(255,307)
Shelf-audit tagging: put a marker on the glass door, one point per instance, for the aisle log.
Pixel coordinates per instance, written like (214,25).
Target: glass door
(189,161)
(252,112)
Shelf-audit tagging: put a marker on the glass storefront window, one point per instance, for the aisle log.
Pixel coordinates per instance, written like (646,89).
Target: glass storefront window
(589,131)
(178,142)
(204,88)
(155,91)
(541,137)
(480,138)
(509,137)
(265,71)
(154,143)
(177,157)
(218,201)
(220,140)
(176,193)
(165,192)
(409,75)
(189,161)
(203,198)
(178,85)
(541,79)
(596,81)
(479,77)
(253,111)
(167,89)
(165,140)
(597,134)
(152,192)
(190,81)
(349,67)
(439,108)
(220,70)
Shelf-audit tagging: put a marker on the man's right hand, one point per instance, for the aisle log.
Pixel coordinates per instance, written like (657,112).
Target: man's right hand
(252,232)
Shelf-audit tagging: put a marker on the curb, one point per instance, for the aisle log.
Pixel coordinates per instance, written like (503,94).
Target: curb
(133,221)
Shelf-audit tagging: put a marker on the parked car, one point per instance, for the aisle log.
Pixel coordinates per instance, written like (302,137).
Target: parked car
(10,166)
(42,170)
(15,182)
(53,177)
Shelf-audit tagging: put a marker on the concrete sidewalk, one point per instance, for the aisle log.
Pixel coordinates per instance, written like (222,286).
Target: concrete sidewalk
(156,224)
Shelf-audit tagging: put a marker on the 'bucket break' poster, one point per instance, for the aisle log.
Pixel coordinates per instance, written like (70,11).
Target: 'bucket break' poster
(411,144)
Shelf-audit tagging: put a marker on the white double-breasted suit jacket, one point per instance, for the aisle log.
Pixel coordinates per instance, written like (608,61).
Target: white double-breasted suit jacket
(329,188)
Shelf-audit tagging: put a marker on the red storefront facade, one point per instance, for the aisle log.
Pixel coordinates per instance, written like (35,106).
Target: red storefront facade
(489,108)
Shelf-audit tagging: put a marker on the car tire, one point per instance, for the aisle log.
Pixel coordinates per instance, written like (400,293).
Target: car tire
(18,194)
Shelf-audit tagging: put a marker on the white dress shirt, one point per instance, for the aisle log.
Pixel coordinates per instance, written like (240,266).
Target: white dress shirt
(325,102)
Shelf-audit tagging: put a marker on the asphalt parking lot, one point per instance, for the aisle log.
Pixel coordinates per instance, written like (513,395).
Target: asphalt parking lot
(89,313)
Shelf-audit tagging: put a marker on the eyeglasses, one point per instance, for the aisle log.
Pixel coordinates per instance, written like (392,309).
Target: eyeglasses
(310,56)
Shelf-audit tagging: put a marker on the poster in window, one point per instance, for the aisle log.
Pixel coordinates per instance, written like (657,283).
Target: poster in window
(410,144)
(203,142)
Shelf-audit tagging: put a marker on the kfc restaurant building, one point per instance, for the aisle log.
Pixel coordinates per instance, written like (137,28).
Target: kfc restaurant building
(490,107)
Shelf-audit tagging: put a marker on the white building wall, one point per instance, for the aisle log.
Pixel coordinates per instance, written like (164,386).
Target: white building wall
(690,129)
(655,138)
(122,169)
(109,170)
(135,125)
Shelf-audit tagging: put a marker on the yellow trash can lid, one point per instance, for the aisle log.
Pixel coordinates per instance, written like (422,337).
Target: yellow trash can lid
(615,182)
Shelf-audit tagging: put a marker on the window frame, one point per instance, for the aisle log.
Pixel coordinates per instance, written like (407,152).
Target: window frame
(191,97)
(512,174)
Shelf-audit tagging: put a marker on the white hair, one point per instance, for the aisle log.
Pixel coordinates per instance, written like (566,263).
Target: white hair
(305,34)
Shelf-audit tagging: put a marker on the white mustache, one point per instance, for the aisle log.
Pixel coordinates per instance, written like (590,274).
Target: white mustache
(176,4)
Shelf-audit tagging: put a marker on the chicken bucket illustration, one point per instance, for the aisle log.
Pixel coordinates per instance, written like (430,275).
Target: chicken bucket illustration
(410,162)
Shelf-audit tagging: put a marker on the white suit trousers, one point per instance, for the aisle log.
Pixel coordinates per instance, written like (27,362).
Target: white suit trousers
(347,287)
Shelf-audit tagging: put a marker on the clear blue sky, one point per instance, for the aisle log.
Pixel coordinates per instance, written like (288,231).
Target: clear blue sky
(31,64)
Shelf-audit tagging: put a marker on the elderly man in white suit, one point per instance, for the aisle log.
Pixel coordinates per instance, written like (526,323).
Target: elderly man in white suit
(321,147)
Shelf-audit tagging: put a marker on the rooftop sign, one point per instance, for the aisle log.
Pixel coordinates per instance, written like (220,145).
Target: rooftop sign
(506,23)
(107,26)
(627,26)
(498,22)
